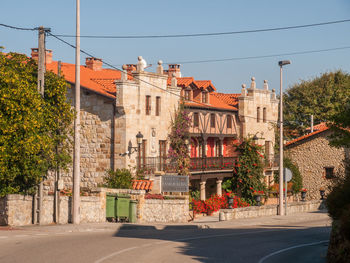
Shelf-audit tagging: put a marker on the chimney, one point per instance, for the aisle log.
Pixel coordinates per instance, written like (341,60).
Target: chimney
(130,68)
(48,55)
(174,68)
(94,63)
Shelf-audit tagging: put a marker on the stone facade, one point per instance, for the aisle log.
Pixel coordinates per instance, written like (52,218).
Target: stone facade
(258,114)
(312,155)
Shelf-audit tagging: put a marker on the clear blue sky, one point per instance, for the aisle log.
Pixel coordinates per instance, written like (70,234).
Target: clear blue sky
(110,17)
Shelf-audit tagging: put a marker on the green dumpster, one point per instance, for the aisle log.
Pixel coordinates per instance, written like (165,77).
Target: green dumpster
(122,203)
(132,211)
(110,207)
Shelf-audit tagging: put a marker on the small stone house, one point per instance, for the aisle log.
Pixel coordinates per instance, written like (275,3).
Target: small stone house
(318,162)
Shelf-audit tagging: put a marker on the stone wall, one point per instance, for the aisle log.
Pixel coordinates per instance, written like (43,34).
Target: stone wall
(97,133)
(169,211)
(269,210)
(312,155)
(17,210)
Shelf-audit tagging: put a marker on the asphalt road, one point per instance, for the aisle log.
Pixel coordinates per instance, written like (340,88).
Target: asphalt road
(275,239)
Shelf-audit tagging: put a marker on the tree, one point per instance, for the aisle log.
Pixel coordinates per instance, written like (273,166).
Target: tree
(340,125)
(178,150)
(321,97)
(248,172)
(34,131)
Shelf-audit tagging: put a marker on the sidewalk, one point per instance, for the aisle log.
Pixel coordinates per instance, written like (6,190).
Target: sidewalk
(202,222)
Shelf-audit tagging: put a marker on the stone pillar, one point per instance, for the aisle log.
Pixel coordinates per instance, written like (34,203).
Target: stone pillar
(218,187)
(202,184)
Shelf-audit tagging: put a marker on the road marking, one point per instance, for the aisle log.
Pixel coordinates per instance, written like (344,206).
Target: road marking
(41,234)
(21,235)
(184,239)
(290,248)
(3,237)
(114,254)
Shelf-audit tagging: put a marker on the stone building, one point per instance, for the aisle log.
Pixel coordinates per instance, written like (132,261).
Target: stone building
(318,162)
(116,106)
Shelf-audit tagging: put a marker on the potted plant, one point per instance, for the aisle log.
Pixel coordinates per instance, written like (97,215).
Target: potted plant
(322,193)
(303,194)
(230,196)
(257,196)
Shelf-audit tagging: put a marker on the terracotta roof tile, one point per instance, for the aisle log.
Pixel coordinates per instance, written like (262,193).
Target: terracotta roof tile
(142,185)
(204,84)
(99,81)
(320,130)
(215,103)
(230,99)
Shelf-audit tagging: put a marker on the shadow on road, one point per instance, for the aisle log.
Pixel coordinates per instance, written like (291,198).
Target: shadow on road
(244,244)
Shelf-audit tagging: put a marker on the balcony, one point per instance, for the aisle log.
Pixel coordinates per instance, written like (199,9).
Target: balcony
(152,164)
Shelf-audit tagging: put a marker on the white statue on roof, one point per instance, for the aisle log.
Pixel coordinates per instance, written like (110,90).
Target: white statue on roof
(141,64)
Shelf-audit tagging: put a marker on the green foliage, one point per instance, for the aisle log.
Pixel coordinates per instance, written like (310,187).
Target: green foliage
(297,179)
(178,150)
(34,131)
(340,125)
(195,194)
(321,97)
(248,172)
(119,179)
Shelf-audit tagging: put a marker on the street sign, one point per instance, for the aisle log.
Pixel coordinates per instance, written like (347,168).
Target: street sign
(287,174)
(175,183)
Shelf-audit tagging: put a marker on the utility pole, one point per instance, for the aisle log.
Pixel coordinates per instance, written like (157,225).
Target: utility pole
(76,165)
(280,207)
(41,82)
(312,124)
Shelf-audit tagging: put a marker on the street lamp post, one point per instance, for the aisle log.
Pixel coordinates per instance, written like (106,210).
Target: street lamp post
(280,207)
(139,138)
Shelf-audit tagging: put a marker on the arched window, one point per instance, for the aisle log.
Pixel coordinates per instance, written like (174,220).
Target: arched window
(264,114)
(258,114)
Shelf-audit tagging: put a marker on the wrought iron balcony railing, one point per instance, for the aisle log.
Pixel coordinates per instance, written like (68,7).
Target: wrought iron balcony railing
(152,164)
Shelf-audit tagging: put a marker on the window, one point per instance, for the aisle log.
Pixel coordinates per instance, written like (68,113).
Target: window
(264,114)
(329,172)
(212,120)
(187,94)
(148,105)
(229,122)
(157,106)
(195,119)
(258,114)
(205,97)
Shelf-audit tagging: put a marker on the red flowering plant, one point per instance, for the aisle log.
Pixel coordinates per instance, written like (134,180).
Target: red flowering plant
(154,196)
(248,171)
(303,190)
(178,150)
(215,203)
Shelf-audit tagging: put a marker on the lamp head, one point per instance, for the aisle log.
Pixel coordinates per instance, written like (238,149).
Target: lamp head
(283,63)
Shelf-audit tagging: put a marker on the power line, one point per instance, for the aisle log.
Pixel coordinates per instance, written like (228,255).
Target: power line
(257,57)
(208,34)
(18,28)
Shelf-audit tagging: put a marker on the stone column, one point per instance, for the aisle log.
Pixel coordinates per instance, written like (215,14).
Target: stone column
(202,184)
(218,187)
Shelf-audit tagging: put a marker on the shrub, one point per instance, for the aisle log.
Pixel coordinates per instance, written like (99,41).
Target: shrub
(120,179)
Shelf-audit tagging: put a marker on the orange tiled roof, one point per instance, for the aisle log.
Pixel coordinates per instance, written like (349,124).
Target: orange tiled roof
(230,99)
(101,81)
(318,126)
(320,130)
(204,84)
(215,103)
(142,185)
